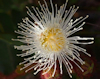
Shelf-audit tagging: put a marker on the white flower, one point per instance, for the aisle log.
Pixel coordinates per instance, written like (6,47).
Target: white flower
(47,38)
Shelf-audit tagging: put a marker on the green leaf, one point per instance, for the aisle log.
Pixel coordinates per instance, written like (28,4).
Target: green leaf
(8,58)
(5,5)
(6,22)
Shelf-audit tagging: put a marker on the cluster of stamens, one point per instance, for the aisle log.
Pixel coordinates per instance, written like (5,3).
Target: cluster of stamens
(52,39)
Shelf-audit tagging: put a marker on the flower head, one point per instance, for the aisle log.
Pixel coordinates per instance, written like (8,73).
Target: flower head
(47,38)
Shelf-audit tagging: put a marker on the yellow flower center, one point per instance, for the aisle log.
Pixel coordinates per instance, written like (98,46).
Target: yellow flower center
(52,39)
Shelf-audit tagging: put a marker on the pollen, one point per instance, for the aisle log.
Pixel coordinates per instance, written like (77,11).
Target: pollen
(52,39)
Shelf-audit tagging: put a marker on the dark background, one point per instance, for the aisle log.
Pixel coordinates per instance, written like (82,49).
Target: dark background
(12,12)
